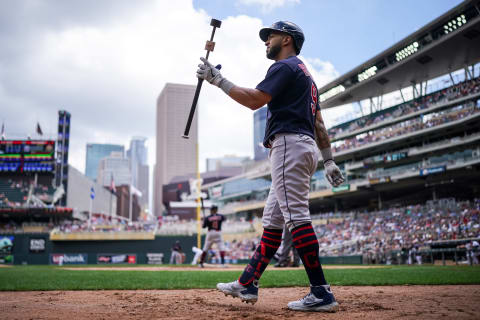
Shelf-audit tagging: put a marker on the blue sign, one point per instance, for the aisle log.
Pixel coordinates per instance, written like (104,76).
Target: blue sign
(427,171)
(92,193)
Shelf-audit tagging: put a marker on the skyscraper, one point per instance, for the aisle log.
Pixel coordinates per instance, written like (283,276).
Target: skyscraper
(137,154)
(175,156)
(115,167)
(95,153)
(259,122)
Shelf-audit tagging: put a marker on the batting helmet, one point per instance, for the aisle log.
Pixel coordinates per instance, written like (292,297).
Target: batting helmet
(213,207)
(289,28)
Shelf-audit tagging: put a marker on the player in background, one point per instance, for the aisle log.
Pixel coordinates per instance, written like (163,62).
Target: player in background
(214,234)
(294,130)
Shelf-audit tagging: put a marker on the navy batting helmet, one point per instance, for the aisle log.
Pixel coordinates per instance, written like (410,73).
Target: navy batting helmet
(289,28)
(213,207)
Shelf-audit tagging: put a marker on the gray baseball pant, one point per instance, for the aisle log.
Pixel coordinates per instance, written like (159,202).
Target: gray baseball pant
(293,159)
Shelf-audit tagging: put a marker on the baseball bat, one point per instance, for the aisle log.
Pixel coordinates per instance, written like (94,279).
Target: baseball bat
(209,47)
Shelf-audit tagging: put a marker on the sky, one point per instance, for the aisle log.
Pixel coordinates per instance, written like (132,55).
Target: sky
(106,61)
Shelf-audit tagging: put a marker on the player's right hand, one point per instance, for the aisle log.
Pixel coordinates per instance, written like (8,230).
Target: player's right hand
(207,71)
(333,173)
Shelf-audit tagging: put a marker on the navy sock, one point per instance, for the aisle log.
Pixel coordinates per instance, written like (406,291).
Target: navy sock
(222,256)
(271,240)
(306,242)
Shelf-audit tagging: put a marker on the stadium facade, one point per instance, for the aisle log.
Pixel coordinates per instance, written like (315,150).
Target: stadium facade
(424,147)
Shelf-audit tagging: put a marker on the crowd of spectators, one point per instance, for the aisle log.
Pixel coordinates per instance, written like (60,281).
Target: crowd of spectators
(448,94)
(14,192)
(377,234)
(412,125)
(101,224)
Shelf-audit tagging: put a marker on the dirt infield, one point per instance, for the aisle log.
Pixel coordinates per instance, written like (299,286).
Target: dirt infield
(406,302)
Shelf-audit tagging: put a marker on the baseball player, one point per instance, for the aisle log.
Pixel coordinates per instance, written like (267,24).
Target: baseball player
(214,234)
(294,130)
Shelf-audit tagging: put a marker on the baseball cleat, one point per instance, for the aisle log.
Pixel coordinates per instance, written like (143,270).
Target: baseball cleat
(320,299)
(235,289)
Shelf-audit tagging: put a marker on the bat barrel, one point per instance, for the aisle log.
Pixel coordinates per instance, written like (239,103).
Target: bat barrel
(192,109)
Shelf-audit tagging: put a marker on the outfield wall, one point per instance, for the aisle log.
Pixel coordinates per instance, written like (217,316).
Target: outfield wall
(37,248)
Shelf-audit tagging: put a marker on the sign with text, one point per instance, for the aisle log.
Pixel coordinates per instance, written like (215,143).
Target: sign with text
(154,258)
(345,187)
(427,171)
(68,258)
(37,244)
(116,258)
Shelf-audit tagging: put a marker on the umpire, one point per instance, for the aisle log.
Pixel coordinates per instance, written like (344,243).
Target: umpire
(294,130)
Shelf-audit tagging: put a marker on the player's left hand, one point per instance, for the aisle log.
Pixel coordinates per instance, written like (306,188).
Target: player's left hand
(207,71)
(333,173)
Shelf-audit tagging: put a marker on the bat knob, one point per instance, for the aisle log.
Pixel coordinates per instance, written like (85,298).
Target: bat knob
(185,137)
(218,66)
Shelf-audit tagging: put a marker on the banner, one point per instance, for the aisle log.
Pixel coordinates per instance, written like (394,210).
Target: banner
(37,245)
(68,258)
(116,258)
(379,180)
(345,187)
(154,258)
(427,171)
(6,249)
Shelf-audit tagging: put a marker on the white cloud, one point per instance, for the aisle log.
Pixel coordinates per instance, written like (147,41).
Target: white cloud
(268,5)
(108,72)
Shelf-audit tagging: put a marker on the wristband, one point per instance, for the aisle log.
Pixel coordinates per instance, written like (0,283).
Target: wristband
(326,154)
(226,85)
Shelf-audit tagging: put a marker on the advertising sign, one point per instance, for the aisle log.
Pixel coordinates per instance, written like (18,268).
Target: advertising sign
(116,258)
(345,187)
(427,171)
(384,179)
(154,258)
(6,249)
(68,258)
(37,244)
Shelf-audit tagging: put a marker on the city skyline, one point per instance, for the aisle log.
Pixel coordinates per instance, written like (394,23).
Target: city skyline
(106,62)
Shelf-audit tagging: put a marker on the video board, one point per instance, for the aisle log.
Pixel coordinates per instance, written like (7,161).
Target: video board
(27,155)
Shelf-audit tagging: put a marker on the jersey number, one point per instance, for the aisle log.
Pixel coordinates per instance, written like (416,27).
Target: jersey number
(313,92)
(215,225)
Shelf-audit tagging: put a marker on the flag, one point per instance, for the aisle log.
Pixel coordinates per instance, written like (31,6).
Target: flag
(39,130)
(112,185)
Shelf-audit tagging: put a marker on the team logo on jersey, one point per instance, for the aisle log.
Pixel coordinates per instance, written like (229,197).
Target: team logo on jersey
(304,69)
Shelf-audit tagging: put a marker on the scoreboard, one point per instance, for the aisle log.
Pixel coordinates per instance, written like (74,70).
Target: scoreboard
(27,155)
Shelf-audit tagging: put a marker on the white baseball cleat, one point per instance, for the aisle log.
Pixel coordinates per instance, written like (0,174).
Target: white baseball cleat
(320,299)
(235,289)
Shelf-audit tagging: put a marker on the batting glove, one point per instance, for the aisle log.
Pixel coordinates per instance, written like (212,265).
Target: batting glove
(207,71)
(333,174)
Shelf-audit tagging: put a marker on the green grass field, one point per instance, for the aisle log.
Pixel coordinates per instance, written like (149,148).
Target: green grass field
(23,278)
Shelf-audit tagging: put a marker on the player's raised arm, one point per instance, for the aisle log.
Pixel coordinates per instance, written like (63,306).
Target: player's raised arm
(250,98)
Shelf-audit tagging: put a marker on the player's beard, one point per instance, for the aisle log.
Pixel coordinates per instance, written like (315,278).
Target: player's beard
(274,51)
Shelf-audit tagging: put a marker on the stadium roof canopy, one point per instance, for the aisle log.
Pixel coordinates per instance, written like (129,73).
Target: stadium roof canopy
(450,42)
